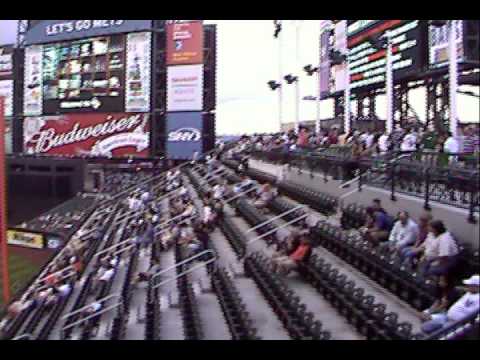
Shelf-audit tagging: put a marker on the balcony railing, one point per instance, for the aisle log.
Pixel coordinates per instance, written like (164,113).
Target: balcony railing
(451,179)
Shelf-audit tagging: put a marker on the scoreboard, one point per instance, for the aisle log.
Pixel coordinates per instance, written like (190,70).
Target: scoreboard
(367,65)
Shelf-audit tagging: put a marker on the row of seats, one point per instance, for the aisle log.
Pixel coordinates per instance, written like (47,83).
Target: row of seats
(234,311)
(298,322)
(351,301)
(192,328)
(286,305)
(390,274)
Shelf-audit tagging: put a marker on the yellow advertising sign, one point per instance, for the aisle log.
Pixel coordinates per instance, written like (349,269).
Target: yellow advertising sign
(21,238)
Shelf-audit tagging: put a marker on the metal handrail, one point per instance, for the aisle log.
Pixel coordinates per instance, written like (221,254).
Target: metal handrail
(55,273)
(174,266)
(186,272)
(299,207)
(103,311)
(276,229)
(241,194)
(111,296)
(164,224)
(128,190)
(214,175)
(66,276)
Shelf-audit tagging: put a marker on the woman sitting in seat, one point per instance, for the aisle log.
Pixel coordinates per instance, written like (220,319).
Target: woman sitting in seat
(288,263)
(264,197)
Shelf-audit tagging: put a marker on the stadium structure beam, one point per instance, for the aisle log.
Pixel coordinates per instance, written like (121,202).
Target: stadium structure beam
(3,214)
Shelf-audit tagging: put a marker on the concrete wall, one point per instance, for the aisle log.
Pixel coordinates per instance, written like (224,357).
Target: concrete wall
(456,219)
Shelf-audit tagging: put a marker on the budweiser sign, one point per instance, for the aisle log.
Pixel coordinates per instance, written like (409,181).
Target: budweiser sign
(94,134)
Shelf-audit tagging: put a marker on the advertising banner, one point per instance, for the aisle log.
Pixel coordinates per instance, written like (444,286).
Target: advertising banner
(33,82)
(6,63)
(185,43)
(109,135)
(48,31)
(184,135)
(137,82)
(6,91)
(25,239)
(185,88)
(324,64)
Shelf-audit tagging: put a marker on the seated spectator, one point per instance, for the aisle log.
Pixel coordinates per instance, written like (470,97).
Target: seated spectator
(467,305)
(379,224)
(404,233)
(218,191)
(147,275)
(13,311)
(266,195)
(64,289)
(286,264)
(446,296)
(441,251)
(92,309)
(410,253)
(244,185)
(105,277)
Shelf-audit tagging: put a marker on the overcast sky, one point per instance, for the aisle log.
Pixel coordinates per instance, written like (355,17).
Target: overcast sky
(248,58)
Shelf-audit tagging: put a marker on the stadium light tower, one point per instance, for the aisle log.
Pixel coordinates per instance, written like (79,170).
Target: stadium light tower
(298,24)
(452,69)
(278,34)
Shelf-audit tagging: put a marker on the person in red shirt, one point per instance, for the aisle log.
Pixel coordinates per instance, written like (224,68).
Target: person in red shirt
(286,264)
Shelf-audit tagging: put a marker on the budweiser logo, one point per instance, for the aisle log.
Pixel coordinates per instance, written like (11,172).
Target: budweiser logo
(49,138)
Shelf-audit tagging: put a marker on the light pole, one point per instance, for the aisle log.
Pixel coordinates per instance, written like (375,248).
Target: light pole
(279,35)
(381,43)
(297,83)
(453,75)
(389,86)
(452,70)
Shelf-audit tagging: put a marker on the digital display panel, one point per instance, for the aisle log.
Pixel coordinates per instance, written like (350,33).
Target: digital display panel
(101,74)
(367,64)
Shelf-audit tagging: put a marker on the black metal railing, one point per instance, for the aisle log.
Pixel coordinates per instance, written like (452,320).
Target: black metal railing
(451,179)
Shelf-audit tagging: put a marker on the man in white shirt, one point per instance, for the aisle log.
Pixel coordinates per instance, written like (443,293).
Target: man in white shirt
(145,197)
(404,233)
(218,191)
(384,143)
(64,289)
(107,275)
(467,305)
(451,146)
(369,139)
(409,142)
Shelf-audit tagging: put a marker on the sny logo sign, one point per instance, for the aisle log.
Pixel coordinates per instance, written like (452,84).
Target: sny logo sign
(184,135)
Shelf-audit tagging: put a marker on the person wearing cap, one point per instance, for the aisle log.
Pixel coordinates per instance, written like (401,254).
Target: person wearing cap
(467,305)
